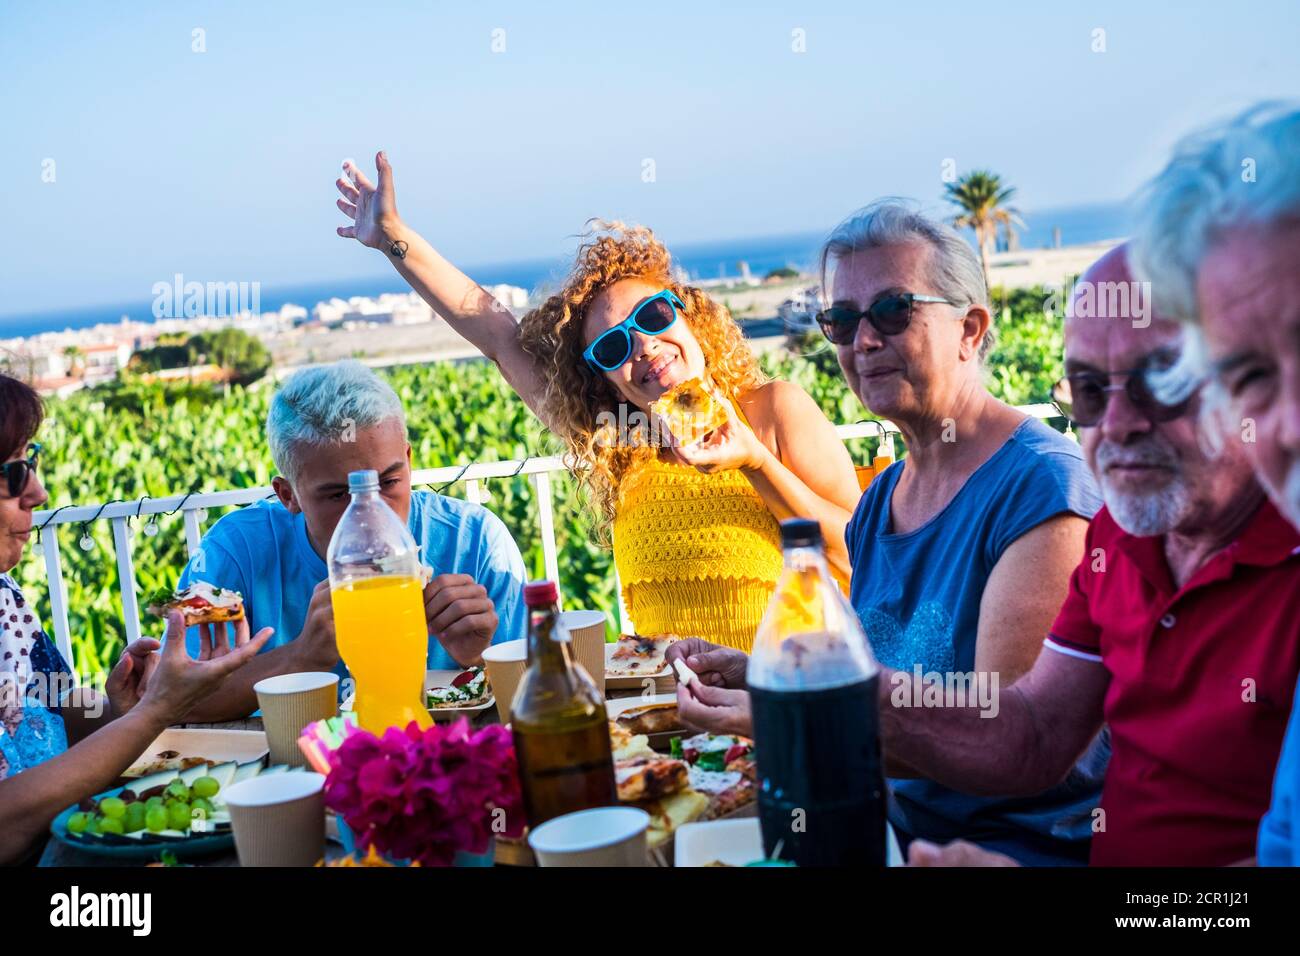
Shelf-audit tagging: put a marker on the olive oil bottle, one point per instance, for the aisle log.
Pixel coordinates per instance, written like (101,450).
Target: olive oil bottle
(559,721)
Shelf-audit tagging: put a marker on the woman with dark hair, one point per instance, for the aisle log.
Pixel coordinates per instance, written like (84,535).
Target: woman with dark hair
(42,712)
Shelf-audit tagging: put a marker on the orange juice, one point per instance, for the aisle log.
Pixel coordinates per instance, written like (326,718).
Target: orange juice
(383,638)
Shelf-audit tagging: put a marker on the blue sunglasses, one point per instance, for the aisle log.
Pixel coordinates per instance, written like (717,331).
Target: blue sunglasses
(613,347)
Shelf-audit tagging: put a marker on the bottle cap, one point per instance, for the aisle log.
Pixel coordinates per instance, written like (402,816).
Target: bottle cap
(801,533)
(363,481)
(540,593)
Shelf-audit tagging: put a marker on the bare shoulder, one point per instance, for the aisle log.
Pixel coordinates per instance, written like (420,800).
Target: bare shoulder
(1058,540)
(774,403)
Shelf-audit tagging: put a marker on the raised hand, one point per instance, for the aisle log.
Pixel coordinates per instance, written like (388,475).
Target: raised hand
(372,207)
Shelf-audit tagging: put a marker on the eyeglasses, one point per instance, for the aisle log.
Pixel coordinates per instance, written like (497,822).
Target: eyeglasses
(18,473)
(1083,397)
(888,316)
(613,347)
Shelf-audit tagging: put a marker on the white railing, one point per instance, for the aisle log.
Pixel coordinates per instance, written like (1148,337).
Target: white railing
(193,509)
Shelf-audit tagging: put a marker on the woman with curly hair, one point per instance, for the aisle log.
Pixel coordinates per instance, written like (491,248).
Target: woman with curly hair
(694,527)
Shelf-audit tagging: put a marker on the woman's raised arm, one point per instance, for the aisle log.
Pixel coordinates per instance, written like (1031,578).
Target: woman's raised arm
(475,315)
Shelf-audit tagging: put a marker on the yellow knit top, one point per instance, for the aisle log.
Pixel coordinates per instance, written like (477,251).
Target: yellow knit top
(698,555)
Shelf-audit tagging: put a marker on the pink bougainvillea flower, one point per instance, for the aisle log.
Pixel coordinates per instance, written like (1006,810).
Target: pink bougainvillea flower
(428,794)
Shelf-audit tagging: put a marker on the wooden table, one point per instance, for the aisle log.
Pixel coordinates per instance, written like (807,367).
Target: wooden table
(60,854)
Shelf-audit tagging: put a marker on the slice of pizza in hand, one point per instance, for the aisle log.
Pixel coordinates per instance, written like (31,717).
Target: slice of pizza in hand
(200,602)
(689,411)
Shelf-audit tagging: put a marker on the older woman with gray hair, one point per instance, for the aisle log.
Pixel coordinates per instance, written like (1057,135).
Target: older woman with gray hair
(1219,239)
(962,552)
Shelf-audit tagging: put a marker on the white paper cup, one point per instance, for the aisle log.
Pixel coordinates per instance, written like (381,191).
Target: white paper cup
(587,631)
(279,820)
(289,703)
(505,665)
(602,836)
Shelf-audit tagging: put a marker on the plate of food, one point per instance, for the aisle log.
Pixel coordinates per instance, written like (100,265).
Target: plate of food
(181,812)
(181,748)
(455,693)
(658,783)
(722,767)
(633,658)
(200,602)
(652,716)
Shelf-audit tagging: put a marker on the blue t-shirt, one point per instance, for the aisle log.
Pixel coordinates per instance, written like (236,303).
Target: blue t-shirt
(263,552)
(1280,828)
(918,596)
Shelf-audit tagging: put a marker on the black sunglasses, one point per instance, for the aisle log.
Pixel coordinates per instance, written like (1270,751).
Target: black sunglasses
(888,316)
(1083,396)
(18,473)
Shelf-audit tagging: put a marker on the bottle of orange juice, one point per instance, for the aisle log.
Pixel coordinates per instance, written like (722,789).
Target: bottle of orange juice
(376,587)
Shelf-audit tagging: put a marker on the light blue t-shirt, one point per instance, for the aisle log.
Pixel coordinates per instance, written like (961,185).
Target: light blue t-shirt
(918,596)
(263,552)
(1279,832)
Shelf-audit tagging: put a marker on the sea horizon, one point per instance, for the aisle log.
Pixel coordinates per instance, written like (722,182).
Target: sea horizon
(703,261)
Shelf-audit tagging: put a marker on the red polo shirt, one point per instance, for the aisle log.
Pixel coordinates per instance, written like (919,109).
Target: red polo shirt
(1201,683)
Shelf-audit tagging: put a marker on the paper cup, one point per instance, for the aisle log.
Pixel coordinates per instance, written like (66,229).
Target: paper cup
(279,819)
(587,632)
(289,703)
(603,836)
(505,664)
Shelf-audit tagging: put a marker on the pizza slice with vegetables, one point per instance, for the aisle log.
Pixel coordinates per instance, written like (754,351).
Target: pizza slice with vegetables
(200,602)
(466,689)
(721,767)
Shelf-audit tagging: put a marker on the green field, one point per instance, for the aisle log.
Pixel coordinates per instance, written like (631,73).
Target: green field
(128,439)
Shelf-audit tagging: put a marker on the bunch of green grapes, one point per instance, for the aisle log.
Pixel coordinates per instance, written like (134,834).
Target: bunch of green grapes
(173,809)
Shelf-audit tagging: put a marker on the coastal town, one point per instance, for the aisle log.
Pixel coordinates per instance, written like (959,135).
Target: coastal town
(770,308)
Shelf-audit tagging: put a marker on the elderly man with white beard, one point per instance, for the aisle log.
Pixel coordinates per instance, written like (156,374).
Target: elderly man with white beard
(1181,630)
(1219,235)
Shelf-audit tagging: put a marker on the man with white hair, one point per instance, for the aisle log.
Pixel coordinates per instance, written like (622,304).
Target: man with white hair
(1219,238)
(324,423)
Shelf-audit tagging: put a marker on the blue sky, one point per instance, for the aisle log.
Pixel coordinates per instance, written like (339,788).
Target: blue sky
(220,164)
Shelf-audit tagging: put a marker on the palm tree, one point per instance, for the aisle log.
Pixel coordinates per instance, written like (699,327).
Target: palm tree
(76,361)
(983,201)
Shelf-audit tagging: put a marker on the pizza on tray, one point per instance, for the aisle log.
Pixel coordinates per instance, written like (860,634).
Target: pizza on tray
(467,689)
(721,767)
(637,656)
